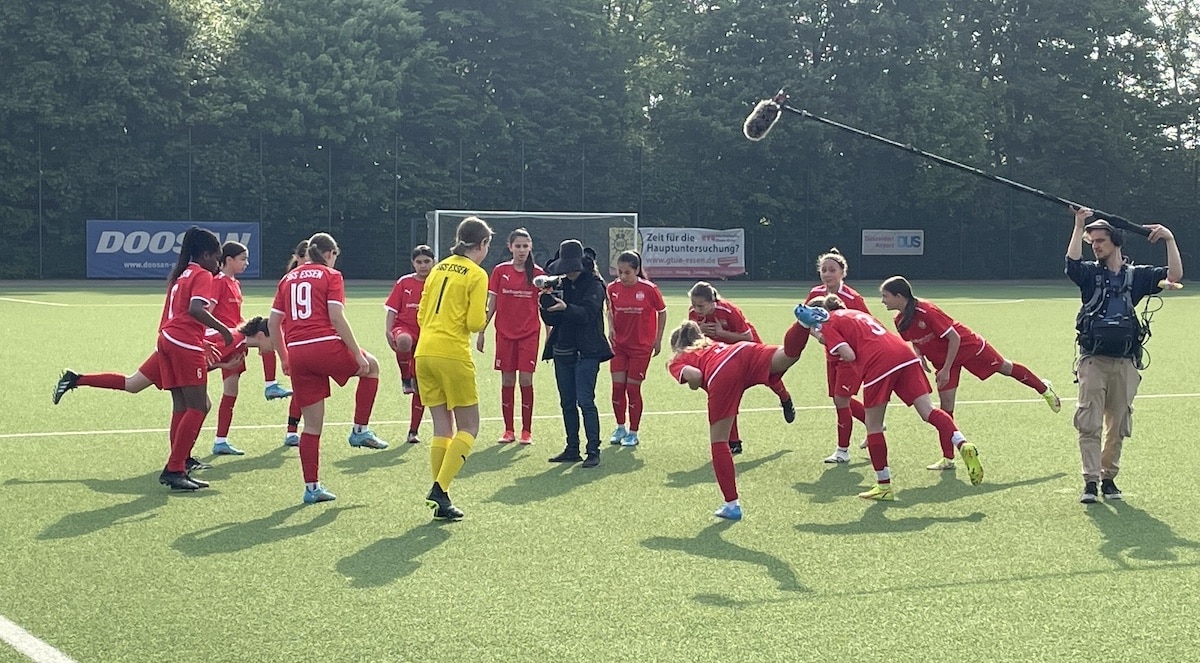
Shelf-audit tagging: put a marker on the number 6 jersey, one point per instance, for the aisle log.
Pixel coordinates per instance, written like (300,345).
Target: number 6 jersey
(303,299)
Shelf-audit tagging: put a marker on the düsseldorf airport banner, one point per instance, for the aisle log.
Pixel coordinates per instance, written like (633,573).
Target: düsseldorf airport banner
(692,252)
(149,249)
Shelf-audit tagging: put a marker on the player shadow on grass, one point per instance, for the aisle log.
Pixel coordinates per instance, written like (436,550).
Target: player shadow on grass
(704,473)
(494,457)
(224,467)
(562,478)
(873,521)
(388,560)
(709,544)
(835,482)
(950,487)
(1130,533)
(238,536)
(362,461)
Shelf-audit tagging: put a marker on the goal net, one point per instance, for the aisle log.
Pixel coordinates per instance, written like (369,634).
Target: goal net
(609,233)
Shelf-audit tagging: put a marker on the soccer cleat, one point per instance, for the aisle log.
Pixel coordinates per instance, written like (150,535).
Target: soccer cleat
(192,463)
(839,456)
(592,460)
(412,437)
(177,481)
(1089,493)
(226,449)
(631,440)
(1051,398)
(366,438)
(276,391)
(942,464)
(291,440)
(66,382)
(443,508)
(567,456)
(507,438)
(789,410)
(408,386)
(198,482)
(970,456)
(526,437)
(1109,490)
(882,492)
(735,447)
(618,435)
(729,512)
(318,494)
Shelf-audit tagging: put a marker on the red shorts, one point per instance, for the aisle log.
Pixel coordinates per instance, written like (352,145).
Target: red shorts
(413,333)
(311,366)
(152,370)
(750,366)
(633,364)
(909,382)
(843,378)
(179,366)
(236,370)
(983,365)
(516,355)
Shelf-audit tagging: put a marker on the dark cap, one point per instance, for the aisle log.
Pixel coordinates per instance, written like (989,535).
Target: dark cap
(570,258)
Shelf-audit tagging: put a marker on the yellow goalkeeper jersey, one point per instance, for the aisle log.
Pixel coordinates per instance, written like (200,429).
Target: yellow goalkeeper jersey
(453,306)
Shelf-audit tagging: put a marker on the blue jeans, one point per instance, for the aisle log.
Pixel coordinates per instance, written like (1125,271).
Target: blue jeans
(576,394)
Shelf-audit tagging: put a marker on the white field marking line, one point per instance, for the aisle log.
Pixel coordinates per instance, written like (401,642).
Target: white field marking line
(31,301)
(666,413)
(28,644)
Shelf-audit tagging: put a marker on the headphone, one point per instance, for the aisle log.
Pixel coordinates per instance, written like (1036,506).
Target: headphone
(1115,235)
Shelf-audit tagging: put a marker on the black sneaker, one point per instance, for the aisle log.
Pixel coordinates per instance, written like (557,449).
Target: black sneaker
(1089,493)
(68,381)
(198,482)
(177,481)
(592,460)
(789,410)
(735,447)
(193,463)
(1110,490)
(567,456)
(443,508)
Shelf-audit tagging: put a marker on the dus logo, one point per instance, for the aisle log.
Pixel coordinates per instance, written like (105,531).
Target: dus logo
(141,241)
(908,241)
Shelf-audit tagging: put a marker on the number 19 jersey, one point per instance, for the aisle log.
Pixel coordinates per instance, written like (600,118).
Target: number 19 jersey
(303,299)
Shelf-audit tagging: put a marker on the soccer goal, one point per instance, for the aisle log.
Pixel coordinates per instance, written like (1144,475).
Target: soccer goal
(609,233)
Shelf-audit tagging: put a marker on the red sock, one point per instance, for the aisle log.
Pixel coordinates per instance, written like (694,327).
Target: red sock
(526,407)
(775,382)
(946,429)
(418,412)
(877,448)
(845,427)
(293,415)
(186,433)
(268,359)
(225,415)
(310,456)
(858,411)
(722,462)
(404,361)
(635,404)
(508,394)
(102,380)
(176,416)
(619,402)
(795,339)
(364,400)
(1027,378)
(733,432)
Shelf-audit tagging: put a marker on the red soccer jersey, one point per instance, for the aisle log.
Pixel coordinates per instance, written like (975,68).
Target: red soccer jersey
(227,292)
(710,360)
(928,330)
(877,351)
(404,300)
(303,298)
(730,318)
(177,325)
(516,312)
(226,352)
(635,312)
(853,300)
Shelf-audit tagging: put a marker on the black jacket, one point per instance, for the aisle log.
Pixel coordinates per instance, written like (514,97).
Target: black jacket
(581,324)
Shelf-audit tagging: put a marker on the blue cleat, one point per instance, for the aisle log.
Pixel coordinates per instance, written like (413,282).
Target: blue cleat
(630,440)
(224,448)
(318,494)
(275,391)
(729,512)
(291,440)
(618,435)
(366,438)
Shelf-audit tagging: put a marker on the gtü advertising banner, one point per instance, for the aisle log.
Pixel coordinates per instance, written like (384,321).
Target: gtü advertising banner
(149,249)
(693,252)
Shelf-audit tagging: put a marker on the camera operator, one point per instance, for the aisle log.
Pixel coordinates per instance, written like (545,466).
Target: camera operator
(1110,338)
(577,344)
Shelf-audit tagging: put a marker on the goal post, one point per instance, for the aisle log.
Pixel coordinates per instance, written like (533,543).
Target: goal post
(608,233)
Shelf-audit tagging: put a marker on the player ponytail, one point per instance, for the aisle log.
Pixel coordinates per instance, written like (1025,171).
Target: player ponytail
(231,249)
(634,260)
(196,242)
(828,302)
(688,337)
(704,291)
(298,255)
(900,287)
(254,326)
(320,244)
(471,233)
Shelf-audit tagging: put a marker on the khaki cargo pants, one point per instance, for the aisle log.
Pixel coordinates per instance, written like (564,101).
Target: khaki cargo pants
(1107,386)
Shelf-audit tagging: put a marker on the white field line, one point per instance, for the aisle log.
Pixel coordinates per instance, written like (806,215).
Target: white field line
(26,643)
(665,413)
(31,301)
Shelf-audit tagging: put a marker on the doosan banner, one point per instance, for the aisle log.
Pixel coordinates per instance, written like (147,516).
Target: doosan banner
(149,249)
(693,252)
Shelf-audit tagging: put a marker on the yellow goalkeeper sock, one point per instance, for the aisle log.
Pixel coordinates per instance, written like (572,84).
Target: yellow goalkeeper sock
(456,455)
(437,454)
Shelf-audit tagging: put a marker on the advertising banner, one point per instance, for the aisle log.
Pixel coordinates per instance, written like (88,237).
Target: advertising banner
(149,249)
(691,252)
(893,242)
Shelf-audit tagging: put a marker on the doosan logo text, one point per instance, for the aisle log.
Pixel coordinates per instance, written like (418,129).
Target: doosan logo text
(142,241)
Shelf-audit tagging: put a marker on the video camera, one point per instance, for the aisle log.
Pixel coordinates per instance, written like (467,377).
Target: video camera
(551,287)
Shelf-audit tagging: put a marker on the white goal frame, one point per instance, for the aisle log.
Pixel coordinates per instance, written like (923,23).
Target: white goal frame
(435,217)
